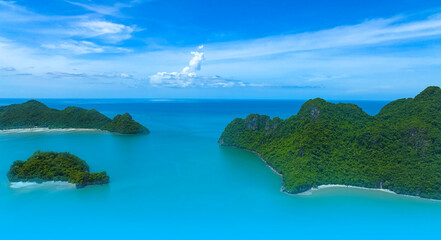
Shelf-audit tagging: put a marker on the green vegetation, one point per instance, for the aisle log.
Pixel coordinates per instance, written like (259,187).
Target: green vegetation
(125,124)
(35,114)
(398,149)
(52,166)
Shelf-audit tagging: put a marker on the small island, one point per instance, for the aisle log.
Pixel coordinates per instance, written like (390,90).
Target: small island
(52,166)
(34,114)
(399,149)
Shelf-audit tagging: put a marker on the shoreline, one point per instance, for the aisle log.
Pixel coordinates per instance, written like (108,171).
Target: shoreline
(324,186)
(37,185)
(261,158)
(48,130)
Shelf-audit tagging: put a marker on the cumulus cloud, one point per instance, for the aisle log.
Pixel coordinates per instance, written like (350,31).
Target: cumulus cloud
(188,77)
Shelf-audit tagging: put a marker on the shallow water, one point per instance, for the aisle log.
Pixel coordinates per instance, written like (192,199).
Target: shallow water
(177,183)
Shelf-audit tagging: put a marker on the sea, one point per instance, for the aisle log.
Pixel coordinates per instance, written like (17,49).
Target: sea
(178,183)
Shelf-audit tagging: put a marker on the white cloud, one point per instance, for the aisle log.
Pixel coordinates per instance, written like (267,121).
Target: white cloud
(113,75)
(113,32)
(179,80)
(316,77)
(102,27)
(188,77)
(77,47)
(113,10)
(368,33)
(341,57)
(101,9)
(11,12)
(195,63)
(95,79)
(7,69)
(85,26)
(83,47)
(25,59)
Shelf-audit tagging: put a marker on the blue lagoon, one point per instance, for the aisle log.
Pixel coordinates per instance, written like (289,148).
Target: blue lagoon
(178,183)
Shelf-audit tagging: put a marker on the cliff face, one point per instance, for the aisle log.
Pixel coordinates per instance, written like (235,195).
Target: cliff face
(398,149)
(35,114)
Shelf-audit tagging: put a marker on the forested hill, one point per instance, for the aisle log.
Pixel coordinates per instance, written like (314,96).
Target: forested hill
(33,114)
(398,149)
(52,166)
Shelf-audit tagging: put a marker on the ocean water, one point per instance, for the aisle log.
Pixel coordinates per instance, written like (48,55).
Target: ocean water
(177,183)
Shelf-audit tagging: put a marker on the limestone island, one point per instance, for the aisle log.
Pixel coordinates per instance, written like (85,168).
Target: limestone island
(34,114)
(399,149)
(51,166)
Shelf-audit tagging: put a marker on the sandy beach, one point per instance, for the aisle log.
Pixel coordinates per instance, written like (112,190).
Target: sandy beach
(45,130)
(309,192)
(58,185)
(312,190)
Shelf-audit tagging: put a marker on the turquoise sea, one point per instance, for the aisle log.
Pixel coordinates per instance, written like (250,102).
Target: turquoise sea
(177,183)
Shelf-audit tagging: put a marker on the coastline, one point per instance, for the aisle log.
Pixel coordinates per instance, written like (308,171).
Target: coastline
(48,130)
(324,186)
(310,191)
(261,158)
(36,185)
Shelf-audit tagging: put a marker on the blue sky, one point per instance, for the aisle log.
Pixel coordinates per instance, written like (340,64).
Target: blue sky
(219,49)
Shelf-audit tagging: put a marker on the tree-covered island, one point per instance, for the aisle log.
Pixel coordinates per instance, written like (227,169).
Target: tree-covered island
(52,166)
(398,149)
(34,114)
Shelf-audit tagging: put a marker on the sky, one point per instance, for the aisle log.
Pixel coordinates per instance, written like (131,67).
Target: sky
(221,49)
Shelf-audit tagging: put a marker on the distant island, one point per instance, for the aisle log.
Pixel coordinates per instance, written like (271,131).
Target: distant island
(34,114)
(399,149)
(52,166)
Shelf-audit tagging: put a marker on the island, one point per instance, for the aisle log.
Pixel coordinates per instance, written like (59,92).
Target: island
(399,149)
(34,114)
(53,166)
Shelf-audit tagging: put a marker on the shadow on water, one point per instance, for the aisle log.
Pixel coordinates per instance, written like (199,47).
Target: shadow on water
(249,166)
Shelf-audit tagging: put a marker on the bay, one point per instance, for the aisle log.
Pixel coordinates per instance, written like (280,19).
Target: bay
(177,183)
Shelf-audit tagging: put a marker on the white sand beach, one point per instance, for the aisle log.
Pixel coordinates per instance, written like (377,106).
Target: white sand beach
(57,185)
(47,130)
(309,192)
